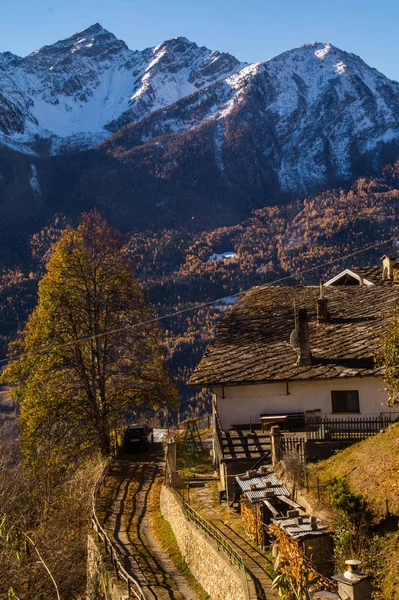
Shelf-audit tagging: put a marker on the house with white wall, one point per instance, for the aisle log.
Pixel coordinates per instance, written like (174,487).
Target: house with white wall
(283,350)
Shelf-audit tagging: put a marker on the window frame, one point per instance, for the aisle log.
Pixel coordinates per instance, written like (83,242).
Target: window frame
(345,410)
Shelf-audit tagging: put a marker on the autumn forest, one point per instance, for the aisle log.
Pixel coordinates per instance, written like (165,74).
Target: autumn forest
(179,268)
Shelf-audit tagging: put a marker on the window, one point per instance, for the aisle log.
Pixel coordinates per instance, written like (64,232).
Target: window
(345,401)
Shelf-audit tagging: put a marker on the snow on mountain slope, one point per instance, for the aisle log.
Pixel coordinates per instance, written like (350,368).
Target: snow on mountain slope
(77,91)
(306,118)
(310,113)
(329,106)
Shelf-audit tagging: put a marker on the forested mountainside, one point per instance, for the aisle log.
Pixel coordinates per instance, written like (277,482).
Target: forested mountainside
(181,267)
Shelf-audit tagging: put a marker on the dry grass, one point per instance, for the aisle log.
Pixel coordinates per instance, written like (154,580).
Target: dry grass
(371,468)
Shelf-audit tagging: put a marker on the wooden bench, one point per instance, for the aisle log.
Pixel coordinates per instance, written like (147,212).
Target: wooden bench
(268,420)
(289,420)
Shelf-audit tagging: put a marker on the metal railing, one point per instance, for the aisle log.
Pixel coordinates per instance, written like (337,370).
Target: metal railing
(219,538)
(133,587)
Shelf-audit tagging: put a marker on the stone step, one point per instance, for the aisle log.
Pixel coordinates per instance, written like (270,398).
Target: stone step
(234,435)
(248,455)
(232,443)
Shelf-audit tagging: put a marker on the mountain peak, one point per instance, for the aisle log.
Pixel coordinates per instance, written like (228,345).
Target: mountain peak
(179,44)
(6,58)
(94,29)
(181,38)
(319,62)
(80,90)
(92,42)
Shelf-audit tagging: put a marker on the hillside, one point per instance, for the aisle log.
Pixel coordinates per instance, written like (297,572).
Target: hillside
(178,269)
(371,469)
(191,153)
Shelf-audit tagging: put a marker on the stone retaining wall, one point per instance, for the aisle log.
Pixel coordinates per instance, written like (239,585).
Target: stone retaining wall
(212,569)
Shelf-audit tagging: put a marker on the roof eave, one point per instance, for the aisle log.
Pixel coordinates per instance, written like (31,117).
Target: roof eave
(376,373)
(351,274)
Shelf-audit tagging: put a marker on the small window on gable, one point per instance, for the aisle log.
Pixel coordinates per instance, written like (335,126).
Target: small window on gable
(345,401)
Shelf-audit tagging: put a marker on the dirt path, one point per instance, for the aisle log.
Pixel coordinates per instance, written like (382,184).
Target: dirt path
(129,525)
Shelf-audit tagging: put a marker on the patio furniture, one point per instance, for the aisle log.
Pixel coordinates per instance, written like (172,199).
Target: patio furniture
(268,420)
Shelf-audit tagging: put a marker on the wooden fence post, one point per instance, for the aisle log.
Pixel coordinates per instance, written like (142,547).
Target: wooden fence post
(276,443)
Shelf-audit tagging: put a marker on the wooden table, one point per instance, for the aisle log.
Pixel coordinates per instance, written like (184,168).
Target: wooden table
(269,420)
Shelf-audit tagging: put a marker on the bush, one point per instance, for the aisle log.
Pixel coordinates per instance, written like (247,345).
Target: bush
(351,504)
(352,523)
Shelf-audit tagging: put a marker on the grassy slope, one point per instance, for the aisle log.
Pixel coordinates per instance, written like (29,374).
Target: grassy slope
(372,468)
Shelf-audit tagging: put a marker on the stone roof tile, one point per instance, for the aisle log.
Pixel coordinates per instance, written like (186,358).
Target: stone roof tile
(252,341)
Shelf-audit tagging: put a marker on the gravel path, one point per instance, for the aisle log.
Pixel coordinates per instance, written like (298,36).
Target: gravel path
(129,525)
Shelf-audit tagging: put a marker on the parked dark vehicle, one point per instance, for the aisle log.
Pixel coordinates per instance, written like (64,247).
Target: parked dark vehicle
(137,437)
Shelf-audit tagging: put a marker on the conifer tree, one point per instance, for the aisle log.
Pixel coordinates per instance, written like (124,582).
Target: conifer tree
(85,358)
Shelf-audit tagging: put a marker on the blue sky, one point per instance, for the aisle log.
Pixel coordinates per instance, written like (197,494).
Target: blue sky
(252,30)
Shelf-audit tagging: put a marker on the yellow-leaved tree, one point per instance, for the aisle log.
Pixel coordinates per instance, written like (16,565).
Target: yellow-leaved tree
(88,354)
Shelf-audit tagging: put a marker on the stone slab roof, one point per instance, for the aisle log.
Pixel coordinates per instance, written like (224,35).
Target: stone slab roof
(370,274)
(373,274)
(252,341)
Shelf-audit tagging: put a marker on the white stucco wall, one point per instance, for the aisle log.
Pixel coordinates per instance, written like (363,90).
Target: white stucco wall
(245,402)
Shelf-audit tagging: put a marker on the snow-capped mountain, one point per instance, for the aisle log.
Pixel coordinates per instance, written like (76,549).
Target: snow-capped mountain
(75,92)
(179,130)
(309,115)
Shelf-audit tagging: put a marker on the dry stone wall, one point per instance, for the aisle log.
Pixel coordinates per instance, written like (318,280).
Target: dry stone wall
(211,568)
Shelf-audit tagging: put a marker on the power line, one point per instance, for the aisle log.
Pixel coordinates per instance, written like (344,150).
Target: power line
(197,306)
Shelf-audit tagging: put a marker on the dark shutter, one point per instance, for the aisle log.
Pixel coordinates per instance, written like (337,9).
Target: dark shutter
(345,401)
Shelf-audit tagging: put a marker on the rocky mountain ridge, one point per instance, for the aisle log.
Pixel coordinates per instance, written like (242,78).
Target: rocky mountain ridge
(75,92)
(176,133)
(313,112)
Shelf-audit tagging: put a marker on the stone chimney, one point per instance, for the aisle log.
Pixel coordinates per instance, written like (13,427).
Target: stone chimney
(387,267)
(322,306)
(353,585)
(304,353)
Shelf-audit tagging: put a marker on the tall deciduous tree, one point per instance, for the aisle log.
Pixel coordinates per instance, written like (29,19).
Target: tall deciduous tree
(85,358)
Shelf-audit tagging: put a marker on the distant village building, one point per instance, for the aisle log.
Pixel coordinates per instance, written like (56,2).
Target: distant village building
(224,257)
